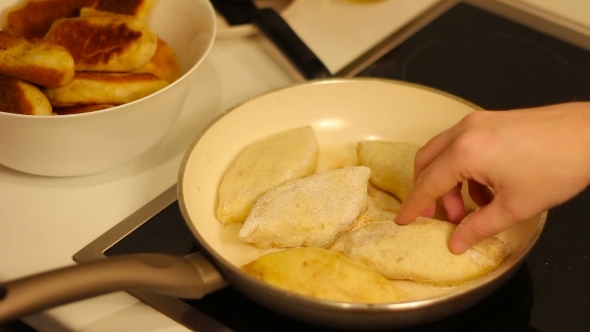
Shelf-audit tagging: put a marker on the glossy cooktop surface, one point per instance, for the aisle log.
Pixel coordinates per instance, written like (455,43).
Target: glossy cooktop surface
(489,60)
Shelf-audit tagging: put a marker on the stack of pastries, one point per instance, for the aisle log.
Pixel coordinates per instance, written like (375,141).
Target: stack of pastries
(330,233)
(76,56)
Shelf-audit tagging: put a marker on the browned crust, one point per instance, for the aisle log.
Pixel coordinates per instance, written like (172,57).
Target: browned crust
(45,75)
(101,43)
(12,97)
(8,40)
(34,18)
(91,88)
(163,64)
(129,7)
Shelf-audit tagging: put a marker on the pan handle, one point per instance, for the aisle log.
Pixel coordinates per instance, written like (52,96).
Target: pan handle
(275,28)
(192,276)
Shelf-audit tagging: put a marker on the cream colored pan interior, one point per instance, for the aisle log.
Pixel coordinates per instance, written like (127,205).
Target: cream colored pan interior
(342,112)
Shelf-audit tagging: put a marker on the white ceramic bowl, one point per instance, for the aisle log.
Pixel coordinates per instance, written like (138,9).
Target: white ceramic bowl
(82,144)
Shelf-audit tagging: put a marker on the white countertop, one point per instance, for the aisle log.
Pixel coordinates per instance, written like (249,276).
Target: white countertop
(46,220)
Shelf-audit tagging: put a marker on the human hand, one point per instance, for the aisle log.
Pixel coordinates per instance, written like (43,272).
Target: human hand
(533,159)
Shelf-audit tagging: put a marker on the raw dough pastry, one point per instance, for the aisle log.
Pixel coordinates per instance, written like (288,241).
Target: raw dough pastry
(262,166)
(419,252)
(391,163)
(309,211)
(324,274)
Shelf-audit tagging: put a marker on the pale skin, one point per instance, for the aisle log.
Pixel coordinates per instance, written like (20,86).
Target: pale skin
(533,159)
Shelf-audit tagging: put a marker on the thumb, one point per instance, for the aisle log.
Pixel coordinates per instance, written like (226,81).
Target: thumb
(484,223)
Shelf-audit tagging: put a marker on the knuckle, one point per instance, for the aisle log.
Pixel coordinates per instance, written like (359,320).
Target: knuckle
(473,119)
(468,148)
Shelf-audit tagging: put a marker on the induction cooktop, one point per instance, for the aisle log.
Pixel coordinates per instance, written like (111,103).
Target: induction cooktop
(489,53)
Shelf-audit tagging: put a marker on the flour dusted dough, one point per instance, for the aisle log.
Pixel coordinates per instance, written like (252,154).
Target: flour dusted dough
(391,163)
(324,274)
(262,166)
(309,211)
(419,252)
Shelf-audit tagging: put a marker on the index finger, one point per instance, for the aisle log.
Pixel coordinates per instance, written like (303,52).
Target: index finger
(437,179)
(431,150)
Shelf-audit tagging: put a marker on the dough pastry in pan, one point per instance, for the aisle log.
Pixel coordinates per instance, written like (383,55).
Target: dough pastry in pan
(309,211)
(324,274)
(391,163)
(263,165)
(419,252)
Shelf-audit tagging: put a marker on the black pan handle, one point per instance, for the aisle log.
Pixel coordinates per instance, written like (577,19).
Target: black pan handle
(235,12)
(275,28)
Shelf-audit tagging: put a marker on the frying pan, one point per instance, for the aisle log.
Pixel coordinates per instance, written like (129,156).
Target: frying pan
(342,112)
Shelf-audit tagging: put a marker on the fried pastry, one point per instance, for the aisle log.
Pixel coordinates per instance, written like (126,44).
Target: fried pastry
(88,88)
(163,64)
(34,18)
(37,61)
(138,8)
(263,165)
(111,42)
(391,163)
(17,96)
(323,274)
(419,252)
(308,212)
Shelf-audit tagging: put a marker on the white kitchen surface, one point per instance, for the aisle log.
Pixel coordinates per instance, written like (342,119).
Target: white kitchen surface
(44,221)
(339,31)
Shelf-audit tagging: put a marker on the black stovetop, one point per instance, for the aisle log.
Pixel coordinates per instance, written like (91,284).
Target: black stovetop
(497,64)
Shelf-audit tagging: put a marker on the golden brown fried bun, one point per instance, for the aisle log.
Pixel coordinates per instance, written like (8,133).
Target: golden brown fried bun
(33,18)
(37,61)
(163,64)
(111,42)
(89,88)
(17,96)
(138,8)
